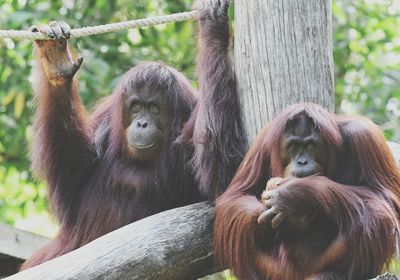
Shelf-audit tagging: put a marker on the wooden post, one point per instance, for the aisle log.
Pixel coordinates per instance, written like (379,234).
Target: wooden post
(283,55)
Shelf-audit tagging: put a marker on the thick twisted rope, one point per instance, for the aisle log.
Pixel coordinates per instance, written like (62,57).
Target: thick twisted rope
(100,29)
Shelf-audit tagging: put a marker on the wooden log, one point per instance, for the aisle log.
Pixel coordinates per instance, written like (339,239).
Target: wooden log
(15,246)
(175,244)
(18,243)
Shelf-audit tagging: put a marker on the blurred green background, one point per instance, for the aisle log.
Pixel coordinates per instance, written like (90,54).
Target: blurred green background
(366,54)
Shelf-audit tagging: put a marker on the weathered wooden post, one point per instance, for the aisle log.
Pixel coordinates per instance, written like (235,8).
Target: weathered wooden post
(283,55)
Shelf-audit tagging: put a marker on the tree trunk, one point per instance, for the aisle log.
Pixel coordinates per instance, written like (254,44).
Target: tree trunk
(175,244)
(283,55)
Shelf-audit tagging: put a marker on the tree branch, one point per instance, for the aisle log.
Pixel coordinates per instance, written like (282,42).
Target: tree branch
(175,244)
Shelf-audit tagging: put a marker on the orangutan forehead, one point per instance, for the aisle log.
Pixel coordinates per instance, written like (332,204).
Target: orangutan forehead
(149,77)
(302,126)
(148,92)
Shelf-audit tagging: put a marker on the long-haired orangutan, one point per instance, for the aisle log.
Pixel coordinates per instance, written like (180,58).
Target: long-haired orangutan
(149,147)
(316,197)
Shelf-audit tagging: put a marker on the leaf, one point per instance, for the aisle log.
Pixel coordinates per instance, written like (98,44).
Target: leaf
(20,17)
(8,98)
(19,105)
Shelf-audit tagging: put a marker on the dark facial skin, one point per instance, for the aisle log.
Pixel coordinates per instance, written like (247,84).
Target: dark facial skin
(145,123)
(302,149)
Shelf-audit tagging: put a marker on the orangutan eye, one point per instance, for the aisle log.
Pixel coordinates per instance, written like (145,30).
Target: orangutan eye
(154,109)
(136,107)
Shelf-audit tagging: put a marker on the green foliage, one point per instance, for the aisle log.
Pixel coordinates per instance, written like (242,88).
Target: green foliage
(367,61)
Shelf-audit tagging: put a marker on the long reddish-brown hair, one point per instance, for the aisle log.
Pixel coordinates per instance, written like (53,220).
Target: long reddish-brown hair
(360,167)
(263,159)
